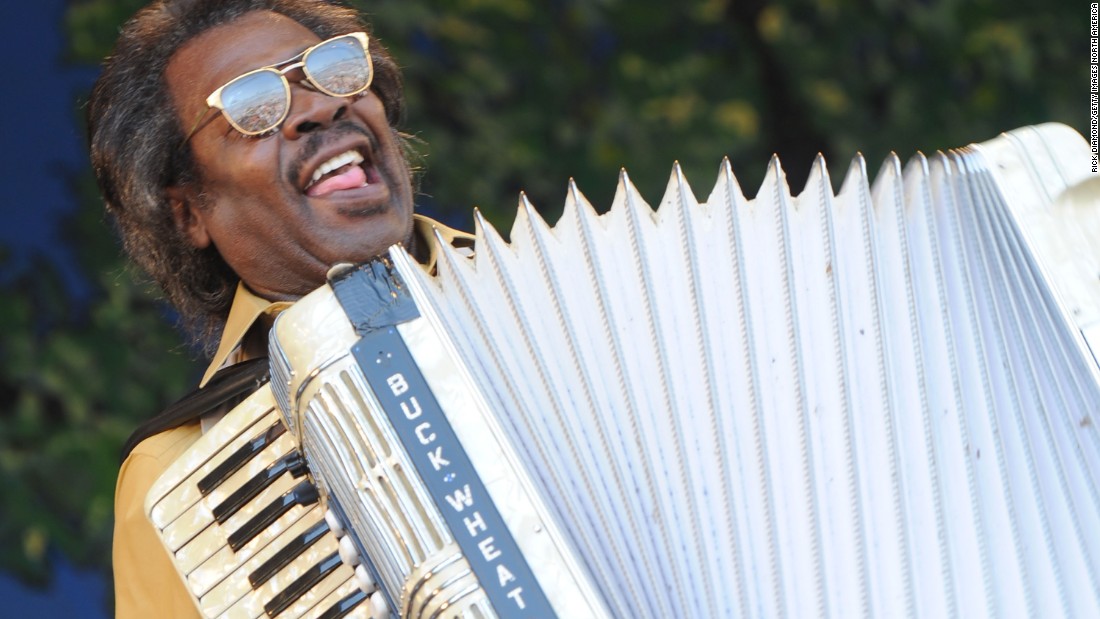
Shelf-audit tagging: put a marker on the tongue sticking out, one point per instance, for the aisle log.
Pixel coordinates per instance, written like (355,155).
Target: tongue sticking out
(351,178)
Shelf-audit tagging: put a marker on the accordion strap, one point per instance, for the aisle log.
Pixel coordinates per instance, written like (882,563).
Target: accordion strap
(226,388)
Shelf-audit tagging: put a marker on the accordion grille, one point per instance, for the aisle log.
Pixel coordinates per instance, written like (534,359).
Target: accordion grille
(359,463)
(281,377)
(365,465)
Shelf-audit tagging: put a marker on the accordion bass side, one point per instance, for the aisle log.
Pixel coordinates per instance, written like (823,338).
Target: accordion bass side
(878,402)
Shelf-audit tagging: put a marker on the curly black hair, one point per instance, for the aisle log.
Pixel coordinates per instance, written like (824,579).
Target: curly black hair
(138,150)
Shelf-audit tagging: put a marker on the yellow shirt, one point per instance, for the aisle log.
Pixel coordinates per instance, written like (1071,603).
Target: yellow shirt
(146,582)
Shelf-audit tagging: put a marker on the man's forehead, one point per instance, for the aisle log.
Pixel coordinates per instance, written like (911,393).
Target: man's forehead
(254,40)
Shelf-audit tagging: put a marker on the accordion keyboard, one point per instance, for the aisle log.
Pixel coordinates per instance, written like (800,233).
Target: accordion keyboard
(245,526)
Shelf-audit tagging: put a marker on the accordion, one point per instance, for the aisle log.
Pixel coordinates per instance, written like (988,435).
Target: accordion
(874,402)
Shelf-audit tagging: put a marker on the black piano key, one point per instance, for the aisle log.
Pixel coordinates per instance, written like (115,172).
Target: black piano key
(288,553)
(293,462)
(305,493)
(301,585)
(345,605)
(239,458)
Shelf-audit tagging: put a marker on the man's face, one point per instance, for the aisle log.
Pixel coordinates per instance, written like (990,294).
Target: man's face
(255,208)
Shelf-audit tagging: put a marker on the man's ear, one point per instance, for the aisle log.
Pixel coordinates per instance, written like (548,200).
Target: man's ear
(189,217)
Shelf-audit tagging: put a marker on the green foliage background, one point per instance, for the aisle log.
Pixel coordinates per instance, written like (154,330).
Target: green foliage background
(511,95)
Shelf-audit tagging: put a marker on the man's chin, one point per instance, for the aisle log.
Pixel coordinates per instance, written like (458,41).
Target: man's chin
(363,211)
(371,238)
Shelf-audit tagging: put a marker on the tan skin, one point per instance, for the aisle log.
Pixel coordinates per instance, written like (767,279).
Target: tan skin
(251,203)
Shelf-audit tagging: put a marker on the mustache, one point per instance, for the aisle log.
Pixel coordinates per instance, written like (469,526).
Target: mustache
(317,140)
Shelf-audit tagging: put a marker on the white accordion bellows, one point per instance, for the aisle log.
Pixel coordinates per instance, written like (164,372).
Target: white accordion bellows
(875,403)
(868,403)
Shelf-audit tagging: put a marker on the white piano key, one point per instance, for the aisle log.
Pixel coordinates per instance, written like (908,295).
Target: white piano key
(176,490)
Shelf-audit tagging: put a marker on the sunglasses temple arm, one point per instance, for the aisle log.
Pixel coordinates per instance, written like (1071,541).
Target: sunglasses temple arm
(198,123)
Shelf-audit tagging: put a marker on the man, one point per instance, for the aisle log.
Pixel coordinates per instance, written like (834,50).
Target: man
(237,209)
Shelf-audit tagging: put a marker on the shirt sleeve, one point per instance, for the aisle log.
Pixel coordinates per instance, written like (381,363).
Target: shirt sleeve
(146,582)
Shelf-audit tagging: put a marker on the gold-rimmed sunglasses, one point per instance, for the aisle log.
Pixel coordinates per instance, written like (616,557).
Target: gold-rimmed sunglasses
(259,101)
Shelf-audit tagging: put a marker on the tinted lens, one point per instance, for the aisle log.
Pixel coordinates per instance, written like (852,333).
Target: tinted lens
(339,67)
(255,102)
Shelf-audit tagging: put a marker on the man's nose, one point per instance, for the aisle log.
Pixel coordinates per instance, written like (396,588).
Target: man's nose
(311,110)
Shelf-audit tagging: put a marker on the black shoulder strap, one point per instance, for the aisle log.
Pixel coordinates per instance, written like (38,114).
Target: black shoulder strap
(228,386)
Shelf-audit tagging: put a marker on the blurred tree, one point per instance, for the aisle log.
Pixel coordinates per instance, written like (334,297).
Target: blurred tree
(75,380)
(511,95)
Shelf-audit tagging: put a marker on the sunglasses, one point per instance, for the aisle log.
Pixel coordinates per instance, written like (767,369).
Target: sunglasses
(259,101)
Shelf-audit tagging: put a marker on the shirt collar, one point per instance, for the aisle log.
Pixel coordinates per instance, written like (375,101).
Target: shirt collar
(248,307)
